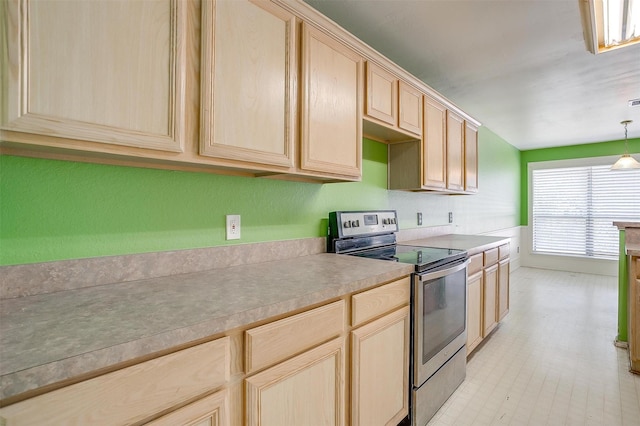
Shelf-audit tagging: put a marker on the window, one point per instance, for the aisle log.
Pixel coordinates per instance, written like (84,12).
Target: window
(573,209)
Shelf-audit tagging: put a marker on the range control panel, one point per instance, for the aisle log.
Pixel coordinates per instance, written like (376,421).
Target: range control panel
(362,223)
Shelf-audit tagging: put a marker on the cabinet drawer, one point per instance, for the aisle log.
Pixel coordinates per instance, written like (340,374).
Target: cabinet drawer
(278,340)
(132,394)
(503,251)
(380,300)
(490,257)
(475,264)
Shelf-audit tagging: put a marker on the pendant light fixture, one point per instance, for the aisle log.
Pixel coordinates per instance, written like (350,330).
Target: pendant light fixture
(626,162)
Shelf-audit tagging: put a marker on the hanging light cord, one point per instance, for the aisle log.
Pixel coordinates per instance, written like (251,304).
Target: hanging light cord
(626,142)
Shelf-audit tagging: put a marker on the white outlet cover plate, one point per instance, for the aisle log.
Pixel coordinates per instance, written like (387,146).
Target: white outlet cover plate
(233,227)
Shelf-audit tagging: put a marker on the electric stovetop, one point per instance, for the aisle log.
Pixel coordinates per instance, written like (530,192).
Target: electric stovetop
(424,258)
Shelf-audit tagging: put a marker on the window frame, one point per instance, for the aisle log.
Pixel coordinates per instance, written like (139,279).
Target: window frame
(558,164)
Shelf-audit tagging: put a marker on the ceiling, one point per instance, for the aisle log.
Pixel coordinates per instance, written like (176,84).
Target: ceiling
(518,66)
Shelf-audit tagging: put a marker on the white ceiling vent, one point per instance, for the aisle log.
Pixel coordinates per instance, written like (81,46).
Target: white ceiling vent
(634,102)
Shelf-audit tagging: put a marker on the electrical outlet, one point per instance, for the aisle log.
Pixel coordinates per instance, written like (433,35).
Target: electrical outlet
(419,218)
(233,227)
(450,217)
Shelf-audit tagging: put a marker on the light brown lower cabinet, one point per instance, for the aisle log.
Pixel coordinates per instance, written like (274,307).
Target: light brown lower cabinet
(634,313)
(212,410)
(487,293)
(305,390)
(379,370)
(474,311)
(503,289)
(490,288)
(136,393)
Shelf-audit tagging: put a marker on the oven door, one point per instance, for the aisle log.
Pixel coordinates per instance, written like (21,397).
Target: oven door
(439,319)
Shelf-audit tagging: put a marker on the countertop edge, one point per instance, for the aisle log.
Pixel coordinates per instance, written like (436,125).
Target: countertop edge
(625,225)
(633,249)
(473,244)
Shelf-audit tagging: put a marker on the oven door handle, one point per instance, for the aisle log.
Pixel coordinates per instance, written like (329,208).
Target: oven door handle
(428,276)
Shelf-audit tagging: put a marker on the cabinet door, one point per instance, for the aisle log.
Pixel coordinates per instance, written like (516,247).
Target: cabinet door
(248,75)
(474,311)
(503,288)
(410,108)
(470,158)
(89,70)
(381,95)
(380,370)
(490,289)
(455,152)
(331,121)
(308,389)
(211,410)
(434,160)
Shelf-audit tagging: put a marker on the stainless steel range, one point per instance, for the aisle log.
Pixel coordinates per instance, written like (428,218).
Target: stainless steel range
(438,302)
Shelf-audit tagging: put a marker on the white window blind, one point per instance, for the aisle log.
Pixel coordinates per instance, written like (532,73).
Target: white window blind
(573,209)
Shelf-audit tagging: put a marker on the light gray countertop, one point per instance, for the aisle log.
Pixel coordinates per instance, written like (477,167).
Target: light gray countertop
(49,338)
(471,243)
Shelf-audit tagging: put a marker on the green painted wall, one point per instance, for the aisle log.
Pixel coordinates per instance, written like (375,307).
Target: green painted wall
(53,210)
(600,149)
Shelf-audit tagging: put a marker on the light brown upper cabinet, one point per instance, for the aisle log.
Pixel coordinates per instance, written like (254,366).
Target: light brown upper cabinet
(248,83)
(331,112)
(470,158)
(104,71)
(381,95)
(455,152)
(434,145)
(243,87)
(445,160)
(393,108)
(409,108)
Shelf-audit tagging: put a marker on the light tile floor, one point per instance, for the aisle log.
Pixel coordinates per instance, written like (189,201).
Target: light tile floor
(551,361)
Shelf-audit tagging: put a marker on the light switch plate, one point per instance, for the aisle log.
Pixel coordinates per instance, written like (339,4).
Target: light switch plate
(233,227)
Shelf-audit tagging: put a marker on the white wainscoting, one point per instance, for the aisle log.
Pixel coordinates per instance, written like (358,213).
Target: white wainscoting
(563,263)
(515,233)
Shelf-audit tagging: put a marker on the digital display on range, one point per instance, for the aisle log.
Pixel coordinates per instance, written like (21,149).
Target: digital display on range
(370,219)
